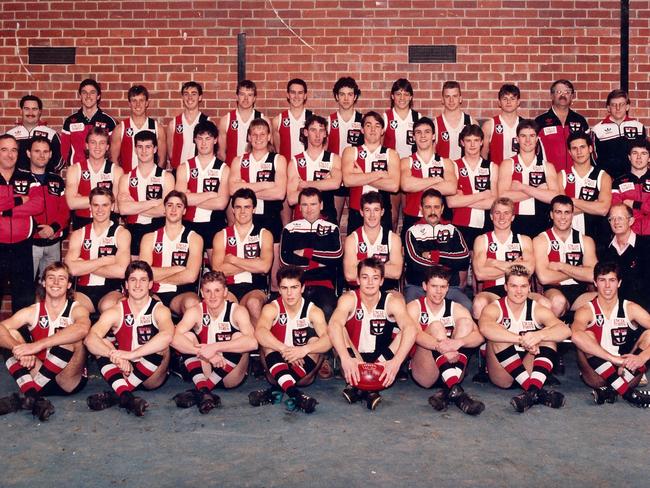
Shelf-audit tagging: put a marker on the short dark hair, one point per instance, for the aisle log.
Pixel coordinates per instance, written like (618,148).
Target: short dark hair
(527,124)
(346,82)
(136,90)
(431,192)
(517,270)
(424,121)
(374,115)
(471,130)
(371,197)
(36,139)
(244,193)
(401,84)
(31,98)
(138,265)
(98,131)
(509,89)
(248,84)
(450,84)
(310,191)
(145,135)
(437,271)
(206,127)
(8,136)
(90,82)
(178,194)
(290,273)
(55,266)
(641,142)
(313,119)
(101,191)
(561,200)
(605,267)
(562,81)
(617,94)
(575,136)
(373,263)
(297,81)
(192,84)
(212,276)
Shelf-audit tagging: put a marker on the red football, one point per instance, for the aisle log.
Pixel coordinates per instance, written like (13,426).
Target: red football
(370,373)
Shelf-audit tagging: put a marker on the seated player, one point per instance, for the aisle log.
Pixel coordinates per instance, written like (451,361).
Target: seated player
(215,338)
(53,361)
(292,333)
(564,259)
(443,345)
(372,240)
(98,255)
(613,342)
(143,330)
(522,338)
(244,253)
(175,253)
(363,329)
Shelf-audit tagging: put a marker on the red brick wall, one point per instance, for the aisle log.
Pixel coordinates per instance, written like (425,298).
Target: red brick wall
(527,42)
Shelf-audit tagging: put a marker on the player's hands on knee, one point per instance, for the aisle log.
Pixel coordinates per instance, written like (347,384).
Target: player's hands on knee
(26,350)
(350,367)
(530,341)
(632,362)
(448,346)
(206,352)
(391,367)
(27,361)
(294,354)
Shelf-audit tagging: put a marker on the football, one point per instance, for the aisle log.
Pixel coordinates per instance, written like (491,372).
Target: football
(370,373)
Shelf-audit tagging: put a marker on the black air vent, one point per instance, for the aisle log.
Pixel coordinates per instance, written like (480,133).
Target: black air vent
(432,54)
(52,55)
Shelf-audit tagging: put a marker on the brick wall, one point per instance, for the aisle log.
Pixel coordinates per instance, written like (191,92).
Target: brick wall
(165,43)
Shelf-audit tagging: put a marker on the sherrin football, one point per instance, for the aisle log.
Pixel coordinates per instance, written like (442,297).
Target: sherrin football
(370,373)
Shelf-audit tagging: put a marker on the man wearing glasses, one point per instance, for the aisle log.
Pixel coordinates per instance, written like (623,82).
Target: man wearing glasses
(560,121)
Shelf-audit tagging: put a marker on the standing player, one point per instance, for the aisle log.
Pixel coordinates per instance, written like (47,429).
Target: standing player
(369,167)
(123,140)
(175,254)
(143,330)
(142,190)
(233,127)
(76,127)
(314,167)
(215,338)
(633,188)
(530,181)
(89,172)
(180,130)
(204,179)
(501,130)
(558,123)
(451,122)
(98,255)
(292,333)
(244,253)
(522,338)
(444,342)
(53,361)
(613,342)
(424,169)
(364,329)
(345,128)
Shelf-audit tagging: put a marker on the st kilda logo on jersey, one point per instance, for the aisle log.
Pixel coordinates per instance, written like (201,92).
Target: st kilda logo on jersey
(21,186)
(251,250)
(283,319)
(106,251)
(323,230)
(354,136)
(630,132)
(380,165)
(619,335)
(377,326)
(410,140)
(482,182)
(512,255)
(436,171)
(211,184)
(443,236)
(85,175)
(300,336)
(154,191)
(575,126)
(145,333)
(498,128)
(264,175)
(43,322)
(108,185)
(535,178)
(573,258)
(646,186)
(424,318)
(179,258)
(359,314)
(587,193)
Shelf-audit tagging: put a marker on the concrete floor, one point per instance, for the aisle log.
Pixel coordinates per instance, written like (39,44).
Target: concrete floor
(404,443)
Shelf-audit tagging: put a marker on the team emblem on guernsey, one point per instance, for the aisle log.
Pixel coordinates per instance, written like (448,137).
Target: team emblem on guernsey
(445,136)
(518,168)
(463,172)
(587,194)
(154,192)
(211,184)
(133,181)
(535,178)
(359,314)
(574,126)
(323,230)
(129,132)
(618,336)
(179,129)
(498,128)
(20,186)
(573,258)
(232,241)
(363,247)
(300,337)
(85,175)
(302,162)
(506,322)
(234,124)
(286,122)
(436,171)
(377,326)
(393,124)
(206,319)
(424,318)
(443,235)
(128,320)
(282,319)
(194,173)
(555,245)
(600,319)
(335,124)
(631,132)
(493,247)
(646,186)
(417,164)
(245,163)
(571,177)
(179,258)
(87,244)
(251,250)
(481,182)
(145,333)
(158,247)
(363,154)
(43,322)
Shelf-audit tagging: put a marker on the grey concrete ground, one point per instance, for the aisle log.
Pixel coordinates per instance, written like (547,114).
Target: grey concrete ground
(403,443)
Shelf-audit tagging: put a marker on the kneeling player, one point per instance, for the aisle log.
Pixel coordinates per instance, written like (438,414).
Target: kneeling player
(292,333)
(53,362)
(362,330)
(522,342)
(143,330)
(613,341)
(443,345)
(215,338)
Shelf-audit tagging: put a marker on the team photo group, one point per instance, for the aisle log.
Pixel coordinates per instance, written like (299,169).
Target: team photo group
(371,246)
